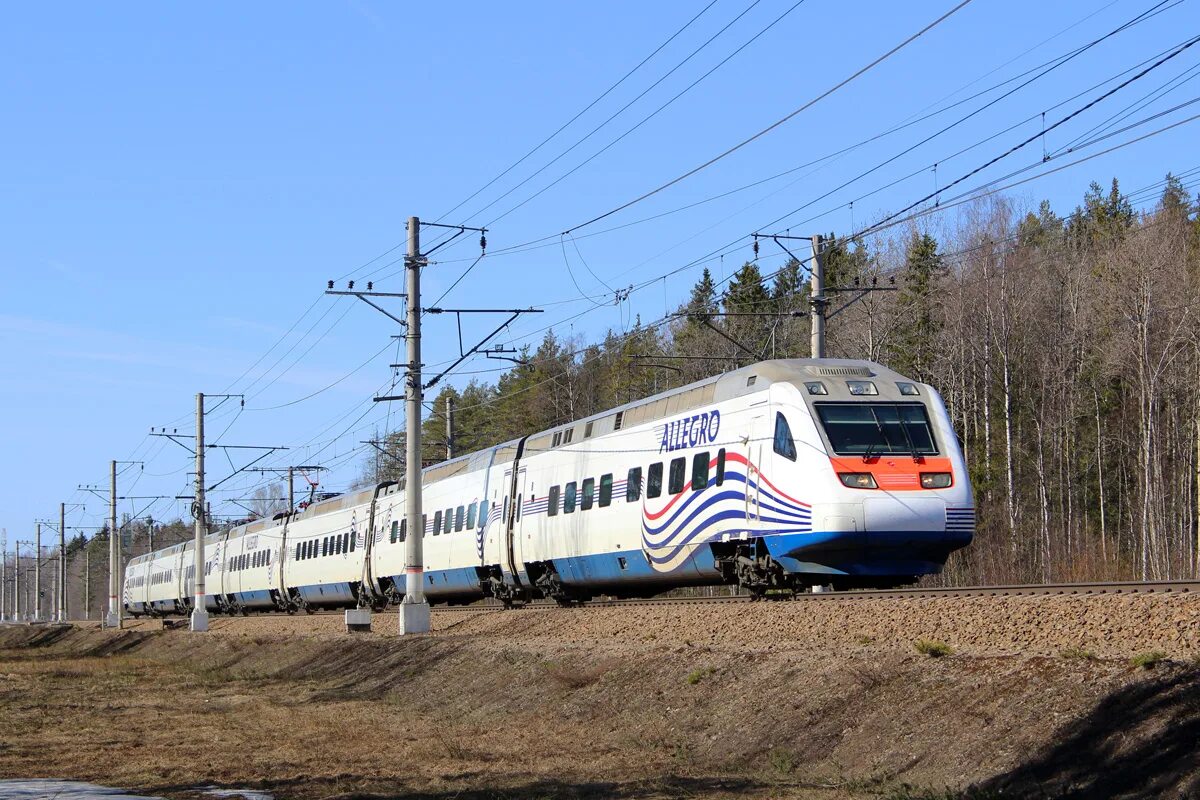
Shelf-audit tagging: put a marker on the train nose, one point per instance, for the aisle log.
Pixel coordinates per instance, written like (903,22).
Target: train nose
(921,529)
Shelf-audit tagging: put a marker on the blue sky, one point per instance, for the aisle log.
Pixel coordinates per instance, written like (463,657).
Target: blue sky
(179,181)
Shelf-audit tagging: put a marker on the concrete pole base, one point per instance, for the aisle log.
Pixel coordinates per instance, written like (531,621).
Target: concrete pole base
(111,620)
(358,620)
(199,621)
(414,618)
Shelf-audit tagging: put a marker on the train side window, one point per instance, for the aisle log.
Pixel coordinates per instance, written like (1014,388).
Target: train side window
(424,523)
(437,522)
(700,471)
(519,505)
(346,539)
(605,490)
(353,541)
(299,546)
(784,444)
(483,513)
(471,517)
(589,494)
(633,485)
(720,466)
(504,511)
(448,520)
(678,475)
(552,501)
(569,498)
(458,518)
(395,531)
(403,530)
(654,480)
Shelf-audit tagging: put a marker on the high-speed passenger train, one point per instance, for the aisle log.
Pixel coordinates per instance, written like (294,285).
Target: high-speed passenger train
(779,476)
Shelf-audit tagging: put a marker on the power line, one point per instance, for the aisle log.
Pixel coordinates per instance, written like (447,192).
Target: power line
(773,125)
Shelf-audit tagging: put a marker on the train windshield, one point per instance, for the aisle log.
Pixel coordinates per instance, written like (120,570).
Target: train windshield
(869,429)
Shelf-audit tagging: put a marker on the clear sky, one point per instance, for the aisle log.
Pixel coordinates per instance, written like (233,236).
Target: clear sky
(178,181)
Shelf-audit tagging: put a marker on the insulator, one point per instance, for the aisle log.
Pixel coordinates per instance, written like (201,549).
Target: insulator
(370,286)
(756,247)
(482,241)
(331,284)
(350,286)
(875,281)
(856,282)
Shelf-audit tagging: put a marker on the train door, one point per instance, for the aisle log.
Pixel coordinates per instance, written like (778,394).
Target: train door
(511,548)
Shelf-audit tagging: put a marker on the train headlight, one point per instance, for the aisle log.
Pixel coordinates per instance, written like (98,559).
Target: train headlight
(908,389)
(861,387)
(935,480)
(858,480)
(815,387)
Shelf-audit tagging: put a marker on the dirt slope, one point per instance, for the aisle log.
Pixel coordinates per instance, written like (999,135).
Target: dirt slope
(591,705)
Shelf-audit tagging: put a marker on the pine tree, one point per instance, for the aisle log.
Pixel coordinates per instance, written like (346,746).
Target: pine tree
(915,345)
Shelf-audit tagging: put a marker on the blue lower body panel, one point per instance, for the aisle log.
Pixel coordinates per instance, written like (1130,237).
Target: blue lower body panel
(257,599)
(447,585)
(880,553)
(327,594)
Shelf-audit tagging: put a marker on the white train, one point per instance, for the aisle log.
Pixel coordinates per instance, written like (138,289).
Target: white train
(777,476)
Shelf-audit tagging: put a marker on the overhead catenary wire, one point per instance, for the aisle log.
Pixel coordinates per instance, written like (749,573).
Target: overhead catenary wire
(783,120)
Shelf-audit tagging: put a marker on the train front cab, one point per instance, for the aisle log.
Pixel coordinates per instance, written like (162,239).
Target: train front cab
(877,458)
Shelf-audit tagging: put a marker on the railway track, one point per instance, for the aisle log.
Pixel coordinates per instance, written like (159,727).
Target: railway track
(1017,590)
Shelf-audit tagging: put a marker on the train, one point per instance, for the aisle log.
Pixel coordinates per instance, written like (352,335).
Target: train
(776,477)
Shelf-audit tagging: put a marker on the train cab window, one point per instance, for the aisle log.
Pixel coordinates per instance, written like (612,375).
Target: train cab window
(395,531)
(459,514)
(678,475)
(569,498)
(784,444)
(483,513)
(720,466)
(700,471)
(589,494)
(552,501)
(448,520)
(403,530)
(605,490)
(633,485)
(471,517)
(654,480)
(437,522)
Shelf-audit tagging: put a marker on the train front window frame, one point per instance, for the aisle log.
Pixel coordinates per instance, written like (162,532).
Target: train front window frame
(878,429)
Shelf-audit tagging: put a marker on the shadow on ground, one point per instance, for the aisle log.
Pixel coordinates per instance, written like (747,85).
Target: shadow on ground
(1142,741)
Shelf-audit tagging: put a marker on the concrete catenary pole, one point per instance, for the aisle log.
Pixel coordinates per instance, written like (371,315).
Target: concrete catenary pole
(113,620)
(17,580)
(291,489)
(199,612)
(149,534)
(62,563)
(87,582)
(37,573)
(817,298)
(4,610)
(414,611)
(449,428)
